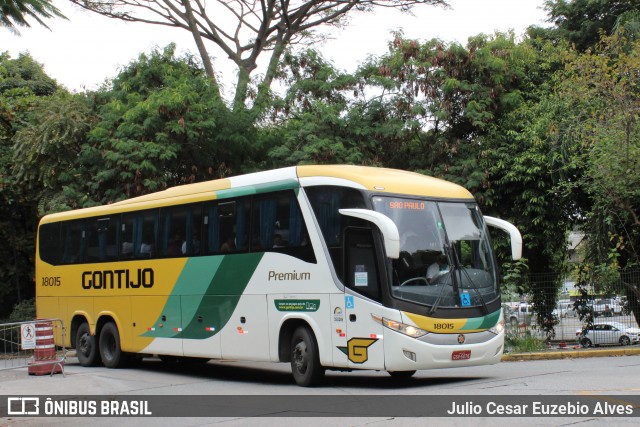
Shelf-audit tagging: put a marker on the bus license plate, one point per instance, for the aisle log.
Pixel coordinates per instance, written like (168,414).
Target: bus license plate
(461,355)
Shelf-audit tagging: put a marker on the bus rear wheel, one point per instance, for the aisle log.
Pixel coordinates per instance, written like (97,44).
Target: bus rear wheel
(87,346)
(305,358)
(110,351)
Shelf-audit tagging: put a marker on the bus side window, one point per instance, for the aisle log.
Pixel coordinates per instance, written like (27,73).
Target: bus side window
(181,227)
(102,239)
(278,226)
(226,226)
(138,235)
(74,240)
(49,243)
(360,260)
(326,201)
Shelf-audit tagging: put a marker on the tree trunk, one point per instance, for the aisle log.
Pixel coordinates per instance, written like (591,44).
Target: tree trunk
(204,55)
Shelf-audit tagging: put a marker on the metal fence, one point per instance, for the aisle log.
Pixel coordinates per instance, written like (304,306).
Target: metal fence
(575,312)
(31,344)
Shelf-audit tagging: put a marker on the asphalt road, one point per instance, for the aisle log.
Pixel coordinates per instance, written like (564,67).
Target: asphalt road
(612,377)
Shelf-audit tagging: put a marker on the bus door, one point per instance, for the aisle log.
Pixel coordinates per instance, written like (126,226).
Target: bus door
(364,346)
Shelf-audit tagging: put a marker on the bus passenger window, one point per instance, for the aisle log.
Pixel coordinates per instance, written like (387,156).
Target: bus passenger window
(138,235)
(226,226)
(75,245)
(49,243)
(181,227)
(102,240)
(278,226)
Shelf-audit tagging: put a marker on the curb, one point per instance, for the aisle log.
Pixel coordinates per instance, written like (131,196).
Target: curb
(570,354)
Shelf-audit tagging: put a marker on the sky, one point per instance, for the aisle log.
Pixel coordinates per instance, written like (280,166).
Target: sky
(84,51)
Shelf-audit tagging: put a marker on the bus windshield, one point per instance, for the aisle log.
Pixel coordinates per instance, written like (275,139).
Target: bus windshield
(445,256)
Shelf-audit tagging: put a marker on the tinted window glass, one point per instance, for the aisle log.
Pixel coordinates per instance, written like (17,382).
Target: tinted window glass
(226,226)
(102,239)
(181,226)
(277,226)
(325,202)
(138,235)
(49,242)
(74,242)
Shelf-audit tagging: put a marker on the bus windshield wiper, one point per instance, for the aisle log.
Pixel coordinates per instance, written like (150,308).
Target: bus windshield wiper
(458,267)
(435,305)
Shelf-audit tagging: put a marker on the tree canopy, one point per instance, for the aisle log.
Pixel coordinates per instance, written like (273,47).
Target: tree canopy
(582,22)
(542,130)
(15,13)
(246,30)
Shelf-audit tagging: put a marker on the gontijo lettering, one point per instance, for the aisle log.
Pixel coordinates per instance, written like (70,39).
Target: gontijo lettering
(118,279)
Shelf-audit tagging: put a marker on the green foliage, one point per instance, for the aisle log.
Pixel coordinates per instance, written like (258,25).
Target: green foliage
(523,343)
(582,22)
(22,83)
(15,13)
(23,311)
(515,278)
(600,133)
(50,152)
(24,73)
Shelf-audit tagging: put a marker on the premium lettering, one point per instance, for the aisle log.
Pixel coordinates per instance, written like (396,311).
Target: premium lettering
(118,279)
(294,275)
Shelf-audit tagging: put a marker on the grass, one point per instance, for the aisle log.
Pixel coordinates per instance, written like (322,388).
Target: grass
(523,343)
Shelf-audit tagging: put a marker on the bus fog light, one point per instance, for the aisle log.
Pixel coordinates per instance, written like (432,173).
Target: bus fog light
(409,355)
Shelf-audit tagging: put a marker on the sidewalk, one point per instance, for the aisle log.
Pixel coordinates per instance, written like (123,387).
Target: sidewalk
(574,351)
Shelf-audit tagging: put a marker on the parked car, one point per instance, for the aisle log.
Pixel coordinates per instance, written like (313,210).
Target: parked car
(565,309)
(522,315)
(606,307)
(607,333)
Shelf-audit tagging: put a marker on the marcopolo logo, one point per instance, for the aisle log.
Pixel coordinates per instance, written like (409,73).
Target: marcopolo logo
(118,279)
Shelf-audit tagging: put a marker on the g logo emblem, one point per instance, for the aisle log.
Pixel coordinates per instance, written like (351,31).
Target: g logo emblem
(357,349)
(461,339)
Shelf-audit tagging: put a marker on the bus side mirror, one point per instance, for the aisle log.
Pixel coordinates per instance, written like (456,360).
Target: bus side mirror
(514,234)
(387,227)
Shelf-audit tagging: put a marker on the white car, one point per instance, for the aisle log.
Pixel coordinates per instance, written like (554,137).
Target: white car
(608,333)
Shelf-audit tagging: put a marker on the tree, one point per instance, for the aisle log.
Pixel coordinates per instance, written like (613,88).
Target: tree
(603,133)
(15,13)
(22,83)
(581,22)
(468,114)
(156,125)
(245,30)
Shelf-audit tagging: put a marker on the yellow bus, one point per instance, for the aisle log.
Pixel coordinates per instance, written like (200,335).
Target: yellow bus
(325,267)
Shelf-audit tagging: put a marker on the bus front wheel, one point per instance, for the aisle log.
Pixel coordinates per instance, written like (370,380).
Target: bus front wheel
(86,346)
(110,352)
(305,358)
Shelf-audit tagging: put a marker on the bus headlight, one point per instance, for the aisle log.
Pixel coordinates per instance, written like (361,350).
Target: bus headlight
(403,328)
(498,328)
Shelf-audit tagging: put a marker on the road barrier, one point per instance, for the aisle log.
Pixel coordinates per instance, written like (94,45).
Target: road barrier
(31,344)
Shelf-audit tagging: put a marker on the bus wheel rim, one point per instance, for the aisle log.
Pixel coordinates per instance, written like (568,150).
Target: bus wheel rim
(300,356)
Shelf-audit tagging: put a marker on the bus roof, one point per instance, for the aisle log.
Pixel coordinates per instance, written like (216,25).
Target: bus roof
(389,180)
(369,178)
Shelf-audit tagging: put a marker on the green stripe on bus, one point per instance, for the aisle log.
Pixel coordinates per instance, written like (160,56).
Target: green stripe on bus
(208,289)
(287,184)
(484,322)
